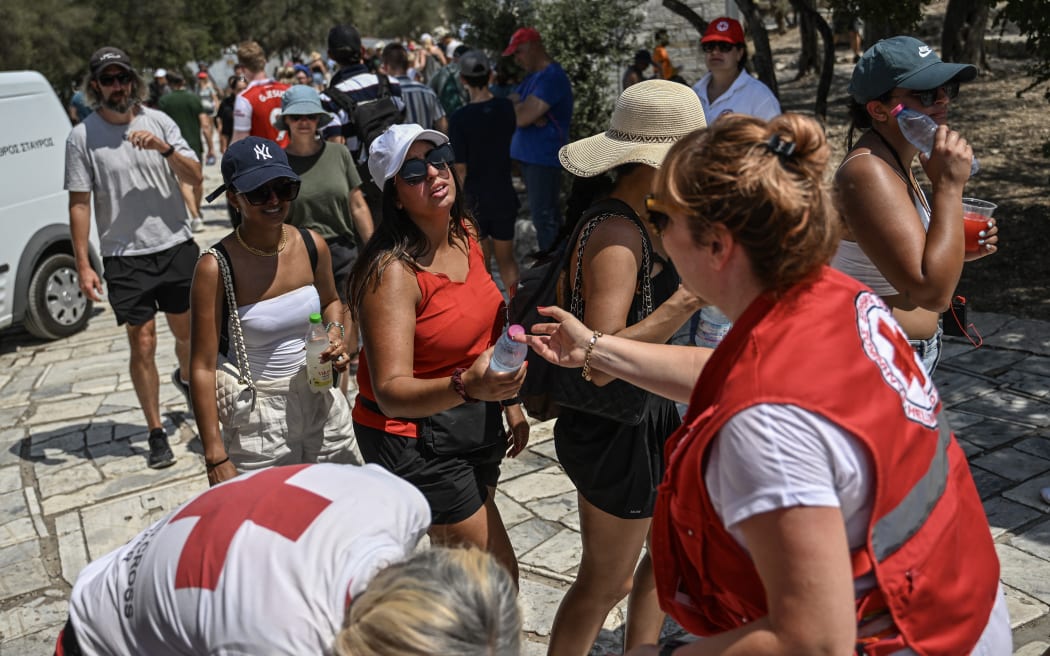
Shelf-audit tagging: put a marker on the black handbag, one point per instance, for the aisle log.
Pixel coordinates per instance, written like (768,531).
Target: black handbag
(618,400)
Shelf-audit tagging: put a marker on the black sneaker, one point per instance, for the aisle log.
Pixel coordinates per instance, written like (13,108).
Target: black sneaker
(176,379)
(160,455)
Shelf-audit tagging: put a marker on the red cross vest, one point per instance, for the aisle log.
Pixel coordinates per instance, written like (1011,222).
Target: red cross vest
(832,347)
(265,100)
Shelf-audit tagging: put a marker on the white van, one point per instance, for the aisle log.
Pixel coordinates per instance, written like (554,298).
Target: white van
(39,286)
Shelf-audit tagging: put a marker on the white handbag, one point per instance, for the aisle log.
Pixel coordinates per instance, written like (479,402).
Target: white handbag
(234,389)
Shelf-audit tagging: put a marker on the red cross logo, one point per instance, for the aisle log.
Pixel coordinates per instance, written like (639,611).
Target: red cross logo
(263,499)
(903,355)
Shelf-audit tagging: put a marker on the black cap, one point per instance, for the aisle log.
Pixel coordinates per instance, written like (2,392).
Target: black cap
(344,37)
(474,63)
(108,56)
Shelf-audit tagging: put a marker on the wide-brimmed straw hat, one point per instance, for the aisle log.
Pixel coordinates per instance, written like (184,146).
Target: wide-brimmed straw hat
(648,119)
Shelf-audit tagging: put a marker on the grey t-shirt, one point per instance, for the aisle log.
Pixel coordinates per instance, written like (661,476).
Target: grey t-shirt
(138,206)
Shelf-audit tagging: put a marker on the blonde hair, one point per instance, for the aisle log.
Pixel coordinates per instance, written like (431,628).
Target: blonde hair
(250,55)
(439,601)
(777,206)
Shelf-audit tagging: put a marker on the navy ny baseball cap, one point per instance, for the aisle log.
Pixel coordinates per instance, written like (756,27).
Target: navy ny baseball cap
(250,163)
(906,62)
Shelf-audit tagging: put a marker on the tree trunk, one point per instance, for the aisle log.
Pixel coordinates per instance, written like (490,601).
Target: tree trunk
(965,22)
(807,9)
(809,58)
(762,60)
(686,12)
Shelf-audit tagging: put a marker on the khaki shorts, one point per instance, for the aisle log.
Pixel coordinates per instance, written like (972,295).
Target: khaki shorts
(291,424)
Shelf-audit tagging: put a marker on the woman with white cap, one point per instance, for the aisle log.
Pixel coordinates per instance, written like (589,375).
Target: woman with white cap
(429,405)
(909,250)
(330,200)
(616,467)
(280,276)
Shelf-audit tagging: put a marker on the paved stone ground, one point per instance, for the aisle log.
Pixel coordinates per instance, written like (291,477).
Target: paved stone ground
(74,482)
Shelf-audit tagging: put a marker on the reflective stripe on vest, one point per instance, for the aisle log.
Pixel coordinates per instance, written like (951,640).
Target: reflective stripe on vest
(904,521)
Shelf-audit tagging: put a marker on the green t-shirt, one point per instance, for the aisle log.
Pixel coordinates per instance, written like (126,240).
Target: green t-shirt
(185,109)
(323,204)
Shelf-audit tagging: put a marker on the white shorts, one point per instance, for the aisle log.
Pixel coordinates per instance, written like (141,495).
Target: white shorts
(291,424)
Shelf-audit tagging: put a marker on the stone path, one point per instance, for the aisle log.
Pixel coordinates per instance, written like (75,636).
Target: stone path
(74,483)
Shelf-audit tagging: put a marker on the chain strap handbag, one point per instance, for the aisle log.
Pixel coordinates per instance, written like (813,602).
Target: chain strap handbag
(234,388)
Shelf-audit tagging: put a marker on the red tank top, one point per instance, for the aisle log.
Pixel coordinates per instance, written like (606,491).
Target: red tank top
(265,100)
(455,323)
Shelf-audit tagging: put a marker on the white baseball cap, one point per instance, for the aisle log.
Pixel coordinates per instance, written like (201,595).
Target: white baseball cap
(387,153)
(160,72)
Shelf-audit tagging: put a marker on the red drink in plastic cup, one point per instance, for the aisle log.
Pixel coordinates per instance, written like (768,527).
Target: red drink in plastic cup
(976,216)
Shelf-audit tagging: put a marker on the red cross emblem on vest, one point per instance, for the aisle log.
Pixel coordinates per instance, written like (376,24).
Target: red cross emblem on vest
(265,499)
(904,355)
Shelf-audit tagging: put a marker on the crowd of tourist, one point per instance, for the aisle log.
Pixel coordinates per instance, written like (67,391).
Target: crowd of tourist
(372,197)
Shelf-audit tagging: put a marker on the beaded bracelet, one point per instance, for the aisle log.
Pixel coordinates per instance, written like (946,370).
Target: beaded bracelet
(342,330)
(586,373)
(461,389)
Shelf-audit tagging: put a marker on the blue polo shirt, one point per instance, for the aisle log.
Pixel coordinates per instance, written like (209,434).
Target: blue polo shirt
(539,145)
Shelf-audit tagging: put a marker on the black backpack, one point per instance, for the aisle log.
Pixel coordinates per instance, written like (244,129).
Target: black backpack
(370,118)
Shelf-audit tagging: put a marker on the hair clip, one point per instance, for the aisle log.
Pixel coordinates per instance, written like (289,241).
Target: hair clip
(780,148)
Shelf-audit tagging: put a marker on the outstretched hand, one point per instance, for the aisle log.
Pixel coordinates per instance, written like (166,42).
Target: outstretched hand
(563,343)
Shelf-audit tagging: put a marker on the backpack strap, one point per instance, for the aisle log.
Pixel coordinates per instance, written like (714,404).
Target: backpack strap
(311,247)
(383,81)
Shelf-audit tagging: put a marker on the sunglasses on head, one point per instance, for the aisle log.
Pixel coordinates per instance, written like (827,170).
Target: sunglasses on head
(657,216)
(285,189)
(414,171)
(928,97)
(720,46)
(119,78)
(295,118)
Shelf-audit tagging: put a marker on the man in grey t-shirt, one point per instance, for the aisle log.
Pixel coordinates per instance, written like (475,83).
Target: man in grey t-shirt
(132,159)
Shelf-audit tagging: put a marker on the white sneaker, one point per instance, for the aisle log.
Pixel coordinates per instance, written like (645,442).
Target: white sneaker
(197,224)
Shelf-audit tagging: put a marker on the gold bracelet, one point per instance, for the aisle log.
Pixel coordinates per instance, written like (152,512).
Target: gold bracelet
(586,373)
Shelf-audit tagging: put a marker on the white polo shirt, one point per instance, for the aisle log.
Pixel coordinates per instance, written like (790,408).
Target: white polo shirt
(745,96)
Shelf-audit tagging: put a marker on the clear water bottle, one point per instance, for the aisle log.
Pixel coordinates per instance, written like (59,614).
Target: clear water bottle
(713,326)
(508,354)
(920,130)
(319,374)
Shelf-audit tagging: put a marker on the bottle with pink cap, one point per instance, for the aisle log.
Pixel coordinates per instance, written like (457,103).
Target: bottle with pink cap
(508,355)
(920,130)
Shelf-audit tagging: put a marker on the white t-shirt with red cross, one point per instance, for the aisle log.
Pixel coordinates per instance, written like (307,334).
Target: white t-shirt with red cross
(266,563)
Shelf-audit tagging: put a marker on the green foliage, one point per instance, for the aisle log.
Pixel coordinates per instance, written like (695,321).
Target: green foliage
(489,23)
(1033,20)
(896,17)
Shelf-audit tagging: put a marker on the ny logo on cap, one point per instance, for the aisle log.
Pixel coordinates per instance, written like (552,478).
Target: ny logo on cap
(722,26)
(924,51)
(262,151)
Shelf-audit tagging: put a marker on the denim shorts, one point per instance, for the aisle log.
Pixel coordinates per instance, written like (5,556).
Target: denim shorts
(929,350)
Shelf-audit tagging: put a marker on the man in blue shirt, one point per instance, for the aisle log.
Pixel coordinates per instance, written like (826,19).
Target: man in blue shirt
(543,110)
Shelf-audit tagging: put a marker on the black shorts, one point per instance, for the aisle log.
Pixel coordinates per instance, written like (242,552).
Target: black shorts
(454,486)
(141,285)
(495,215)
(344,254)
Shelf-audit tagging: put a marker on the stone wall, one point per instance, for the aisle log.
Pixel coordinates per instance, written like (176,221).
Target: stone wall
(684,47)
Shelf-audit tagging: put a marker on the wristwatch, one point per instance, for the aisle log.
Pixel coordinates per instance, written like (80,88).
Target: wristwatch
(668,647)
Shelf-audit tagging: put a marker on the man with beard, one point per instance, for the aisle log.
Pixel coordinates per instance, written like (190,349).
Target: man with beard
(132,159)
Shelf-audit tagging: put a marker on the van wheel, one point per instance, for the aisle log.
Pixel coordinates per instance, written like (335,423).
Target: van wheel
(57,308)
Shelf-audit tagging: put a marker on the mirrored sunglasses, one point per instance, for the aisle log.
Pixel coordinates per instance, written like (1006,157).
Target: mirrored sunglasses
(285,189)
(414,171)
(720,46)
(928,97)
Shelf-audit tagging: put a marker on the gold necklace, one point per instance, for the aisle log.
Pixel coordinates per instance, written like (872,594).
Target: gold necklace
(255,251)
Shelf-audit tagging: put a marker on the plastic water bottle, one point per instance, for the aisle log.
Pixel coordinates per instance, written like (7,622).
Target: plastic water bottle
(920,130)
(318,373)
(508,354)
(713,326)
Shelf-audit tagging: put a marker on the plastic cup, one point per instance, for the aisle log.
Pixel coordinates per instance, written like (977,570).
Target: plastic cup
(976,215)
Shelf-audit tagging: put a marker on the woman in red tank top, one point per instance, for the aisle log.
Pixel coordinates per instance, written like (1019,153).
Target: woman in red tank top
(429,406)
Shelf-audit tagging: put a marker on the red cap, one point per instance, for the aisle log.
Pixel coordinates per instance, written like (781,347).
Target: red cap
(202,75)
(523,35)
(723,29)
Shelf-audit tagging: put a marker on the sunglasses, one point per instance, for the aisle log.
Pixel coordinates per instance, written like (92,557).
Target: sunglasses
(414,171)
(929,97)
(285,189)
(295,118)
(720,46)
(108,80)
(657,214)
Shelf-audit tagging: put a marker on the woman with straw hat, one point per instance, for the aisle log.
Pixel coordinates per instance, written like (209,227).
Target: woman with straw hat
(616,467)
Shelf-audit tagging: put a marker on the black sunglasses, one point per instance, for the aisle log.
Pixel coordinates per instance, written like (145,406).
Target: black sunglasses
(657,218)
(720,46)
(108,80)
(928,97)
(414,171)
(295,118)
(285,189)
